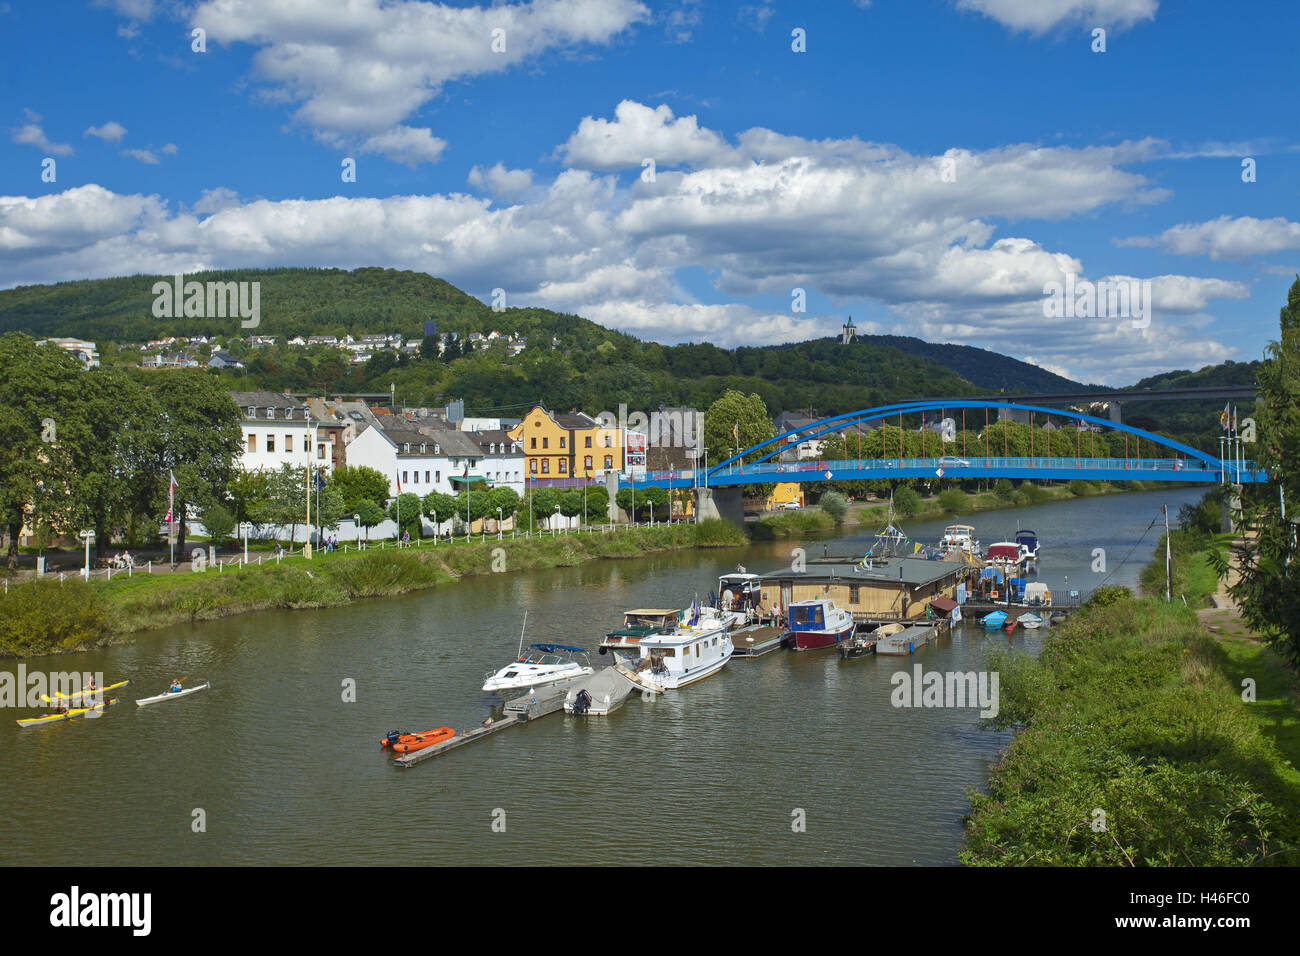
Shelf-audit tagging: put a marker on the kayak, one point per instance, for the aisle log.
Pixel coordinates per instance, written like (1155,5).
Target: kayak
(85,693)
(170,696)
(409,743)
(55,718)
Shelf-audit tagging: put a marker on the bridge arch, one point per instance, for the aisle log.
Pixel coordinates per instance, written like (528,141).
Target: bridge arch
(830,424)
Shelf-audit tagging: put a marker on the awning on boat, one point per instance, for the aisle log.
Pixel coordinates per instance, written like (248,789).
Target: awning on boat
(556,648)
(944,605)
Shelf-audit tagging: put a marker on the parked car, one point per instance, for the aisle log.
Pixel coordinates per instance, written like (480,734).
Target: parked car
(791,505)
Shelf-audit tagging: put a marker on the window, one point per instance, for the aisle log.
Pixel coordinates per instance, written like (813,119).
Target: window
(288,444)
(406,448)
(564,466)
(288,413)
(546,466)
(270,443)
(561,441)
(320,452)
(417,478)
(404,476)
(426,477)
(534,444)
(532,466)
(588,441)
(252,412)
(586,463)
(609,461)
(252,443)
(545,442)
(609,441)
(422,447)
(855,593)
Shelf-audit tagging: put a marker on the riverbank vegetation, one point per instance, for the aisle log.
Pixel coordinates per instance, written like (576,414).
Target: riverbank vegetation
(48,616)
(1135,748)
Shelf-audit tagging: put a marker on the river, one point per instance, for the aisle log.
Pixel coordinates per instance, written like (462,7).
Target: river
(286,772)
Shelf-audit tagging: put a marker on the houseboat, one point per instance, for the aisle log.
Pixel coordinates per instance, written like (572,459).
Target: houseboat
(959,537)
(818,623)
(871,589)
(662,649)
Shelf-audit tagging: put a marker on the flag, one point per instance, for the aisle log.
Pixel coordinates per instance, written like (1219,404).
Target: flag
(320,480)
(171,495)
(1234,419)
(735,431)
(398,475)
(1223,419)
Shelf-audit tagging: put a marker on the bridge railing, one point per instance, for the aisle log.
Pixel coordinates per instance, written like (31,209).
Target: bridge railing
(953,466)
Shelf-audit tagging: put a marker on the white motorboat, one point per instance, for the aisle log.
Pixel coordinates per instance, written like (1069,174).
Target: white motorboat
(660,650)
(541,665)
(1030,620)
(959,537)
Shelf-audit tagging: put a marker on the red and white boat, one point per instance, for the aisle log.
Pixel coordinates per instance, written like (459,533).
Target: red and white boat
(818,623)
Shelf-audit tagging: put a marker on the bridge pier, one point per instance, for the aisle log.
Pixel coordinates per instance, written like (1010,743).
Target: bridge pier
(1114,413)
(725,503)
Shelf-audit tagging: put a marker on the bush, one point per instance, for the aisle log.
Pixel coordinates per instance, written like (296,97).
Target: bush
(219,523)
(953,501)
(1108,595)
(48,615)
(1080,488)
(906,501)
(1004,489)
(833,503)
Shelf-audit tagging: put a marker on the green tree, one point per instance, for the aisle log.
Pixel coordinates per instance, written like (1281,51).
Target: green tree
(219,522)
(734,422)
(285,503)
(200,438)
(544,504)
(1268,591)
(429,349)
(357,483)
(409,506)
(370,514)
(906,501)
(439,506)
(507,499)
(833,503)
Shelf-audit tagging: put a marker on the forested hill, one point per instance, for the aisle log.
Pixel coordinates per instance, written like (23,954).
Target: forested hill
(991,371)
(569,361)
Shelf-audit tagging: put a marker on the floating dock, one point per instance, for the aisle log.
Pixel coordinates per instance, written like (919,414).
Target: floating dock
(756,641)
(520,710)
(909,639)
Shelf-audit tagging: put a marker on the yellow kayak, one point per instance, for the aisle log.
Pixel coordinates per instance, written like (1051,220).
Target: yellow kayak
(55,718)
(85,693)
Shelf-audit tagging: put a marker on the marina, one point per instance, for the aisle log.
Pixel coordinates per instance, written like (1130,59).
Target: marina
(416,667)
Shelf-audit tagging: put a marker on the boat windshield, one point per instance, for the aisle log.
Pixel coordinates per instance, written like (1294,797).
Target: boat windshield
(548,659)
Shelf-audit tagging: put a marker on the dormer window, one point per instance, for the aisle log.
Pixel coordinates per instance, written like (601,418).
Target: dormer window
(406,448)
(288,413)
(422,447)
(437,448)
(252,412)
(270,412)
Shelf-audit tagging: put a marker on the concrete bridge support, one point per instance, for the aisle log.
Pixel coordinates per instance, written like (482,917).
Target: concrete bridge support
(724,502)
(1115,413)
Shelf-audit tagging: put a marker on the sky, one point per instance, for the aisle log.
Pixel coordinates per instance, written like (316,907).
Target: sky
(685,171)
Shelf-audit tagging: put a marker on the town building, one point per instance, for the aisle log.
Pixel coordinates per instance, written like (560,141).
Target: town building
(222,359)
(84,351)
(574,448)
(278,430)
(418,458)
(503,458)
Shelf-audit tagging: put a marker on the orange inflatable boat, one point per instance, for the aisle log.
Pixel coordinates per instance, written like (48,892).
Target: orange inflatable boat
(405,743)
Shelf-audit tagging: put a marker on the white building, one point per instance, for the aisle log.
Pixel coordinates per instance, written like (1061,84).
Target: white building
(503,458)
(423,459)
(85,351)
(278,431)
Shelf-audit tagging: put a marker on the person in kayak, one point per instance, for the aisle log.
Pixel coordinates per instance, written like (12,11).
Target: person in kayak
(176,687)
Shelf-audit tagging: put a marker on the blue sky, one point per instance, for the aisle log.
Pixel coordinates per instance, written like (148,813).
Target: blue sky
(775,170)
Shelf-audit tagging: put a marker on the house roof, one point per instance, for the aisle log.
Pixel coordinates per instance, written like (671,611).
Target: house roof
(495,436)
(262,400)
(451,443)
(915,571)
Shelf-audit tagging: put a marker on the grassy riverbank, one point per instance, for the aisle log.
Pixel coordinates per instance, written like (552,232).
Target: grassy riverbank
(48,616)
(951,503)
(1133,710)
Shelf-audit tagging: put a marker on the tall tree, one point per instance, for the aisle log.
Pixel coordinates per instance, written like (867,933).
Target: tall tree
(200,438)
(1269,588)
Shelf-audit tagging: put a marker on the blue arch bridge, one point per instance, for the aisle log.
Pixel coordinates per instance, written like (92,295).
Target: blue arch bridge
(1179,462)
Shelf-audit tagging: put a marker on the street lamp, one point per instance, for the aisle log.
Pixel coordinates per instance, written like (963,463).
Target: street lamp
(356,528)
(499,519)
(87,535)
(246,524)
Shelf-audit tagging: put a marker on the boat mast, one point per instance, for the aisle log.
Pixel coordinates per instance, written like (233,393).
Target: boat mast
(521,634)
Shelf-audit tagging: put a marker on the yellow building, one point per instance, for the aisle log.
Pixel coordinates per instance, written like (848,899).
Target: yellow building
(562,446)
(784,493)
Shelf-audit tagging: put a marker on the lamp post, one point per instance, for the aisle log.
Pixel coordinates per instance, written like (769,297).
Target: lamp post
(306,546)
(356,529)
(499,519)
(246,542)
(87,535)
(435,529)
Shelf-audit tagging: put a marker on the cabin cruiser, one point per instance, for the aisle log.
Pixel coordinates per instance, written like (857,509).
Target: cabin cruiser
(959,537)
(1006,555)
(1027,541)
(664,649)
(540,666)
(739,596)
(818,623)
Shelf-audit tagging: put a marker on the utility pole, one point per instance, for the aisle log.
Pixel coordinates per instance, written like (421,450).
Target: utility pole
(306,546)
(1165,509)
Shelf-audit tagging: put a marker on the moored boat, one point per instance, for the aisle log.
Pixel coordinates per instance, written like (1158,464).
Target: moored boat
(959,537)
(1028,544)
(542,666)
(170,695)
(818,623)
(407,742)
(1031,620)
(664,652)
(994,620)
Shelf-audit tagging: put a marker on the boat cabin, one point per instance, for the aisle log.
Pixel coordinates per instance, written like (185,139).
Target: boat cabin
(871,589)
(739,591)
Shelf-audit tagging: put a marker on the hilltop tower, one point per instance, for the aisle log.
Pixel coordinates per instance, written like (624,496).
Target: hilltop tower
(849,333)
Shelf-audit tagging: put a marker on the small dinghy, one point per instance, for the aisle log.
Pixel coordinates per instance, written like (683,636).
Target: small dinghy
(1031,621)
(995,620)
(170,695)
(405,743)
